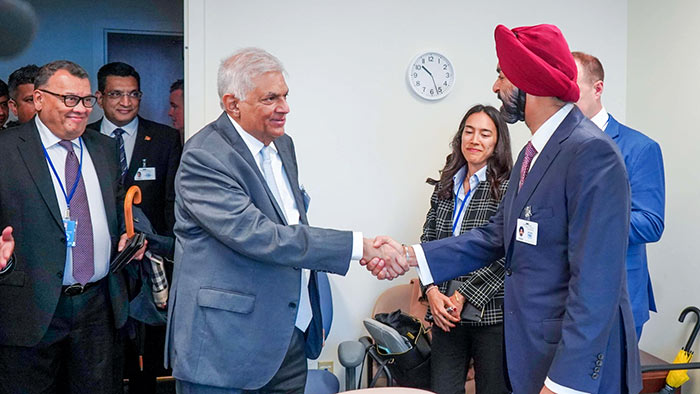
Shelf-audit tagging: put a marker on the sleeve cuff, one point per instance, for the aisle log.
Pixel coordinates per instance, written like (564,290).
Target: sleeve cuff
(559,389)
(424,274)
(356,246)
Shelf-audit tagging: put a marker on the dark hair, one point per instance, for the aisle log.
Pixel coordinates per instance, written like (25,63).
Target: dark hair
(498,165)
(178,85)
(592,66)
(3,88)
(49,69)
(22,76)
(116,69)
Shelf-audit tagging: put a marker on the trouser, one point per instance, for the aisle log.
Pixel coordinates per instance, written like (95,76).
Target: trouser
(76,355)
(452,351)
(290,377)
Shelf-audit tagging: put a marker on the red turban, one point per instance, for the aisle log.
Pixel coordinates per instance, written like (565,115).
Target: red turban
(537,60)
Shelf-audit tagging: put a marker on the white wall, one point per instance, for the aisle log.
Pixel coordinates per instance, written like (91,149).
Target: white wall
(663,64)
(365,144)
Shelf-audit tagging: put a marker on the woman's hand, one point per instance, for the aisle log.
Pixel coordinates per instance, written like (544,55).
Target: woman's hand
(442,308)
(458,301)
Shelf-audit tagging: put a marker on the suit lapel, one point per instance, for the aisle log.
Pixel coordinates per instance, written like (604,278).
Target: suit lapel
(285,151)
(97,152)
(30,149)
(230,134)
(613,129)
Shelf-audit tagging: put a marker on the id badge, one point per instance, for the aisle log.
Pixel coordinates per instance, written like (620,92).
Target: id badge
(145,174)
(70,227)
(526,231)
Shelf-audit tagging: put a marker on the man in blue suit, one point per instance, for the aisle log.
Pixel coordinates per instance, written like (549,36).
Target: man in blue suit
(244,310)
(567,318)
(645,169)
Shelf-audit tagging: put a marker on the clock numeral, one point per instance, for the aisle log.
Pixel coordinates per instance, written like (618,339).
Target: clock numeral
(438,60)
(440,89)
(432,92)
(444,66)
(447,75)
(445,83)
(431,58)
(422,60)
(417,66)
(423,89)
(418,83)
(415,75)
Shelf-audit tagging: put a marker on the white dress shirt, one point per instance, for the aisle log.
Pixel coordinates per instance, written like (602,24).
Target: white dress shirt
(539,140)
(288,203)
(130,130)
(101,240)
(601,119)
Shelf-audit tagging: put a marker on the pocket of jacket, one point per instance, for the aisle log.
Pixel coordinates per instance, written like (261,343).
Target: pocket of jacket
(15,278)
(551,330)
(225,300)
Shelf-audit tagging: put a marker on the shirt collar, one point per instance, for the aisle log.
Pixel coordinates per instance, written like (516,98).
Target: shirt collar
(48,138)
(458,178)
(544,133)
(130,128)
(601,119)
(254,145)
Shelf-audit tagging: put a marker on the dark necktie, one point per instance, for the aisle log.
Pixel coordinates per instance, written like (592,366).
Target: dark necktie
(530,152)
(83,258)
(122,153)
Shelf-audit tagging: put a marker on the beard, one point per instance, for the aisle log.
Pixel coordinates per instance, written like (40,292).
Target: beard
(513,108)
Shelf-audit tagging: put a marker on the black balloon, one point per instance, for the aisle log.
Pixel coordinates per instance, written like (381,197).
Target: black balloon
(18,24)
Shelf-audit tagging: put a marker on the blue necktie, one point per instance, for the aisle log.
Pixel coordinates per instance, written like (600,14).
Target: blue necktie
(122,153)
(304,312)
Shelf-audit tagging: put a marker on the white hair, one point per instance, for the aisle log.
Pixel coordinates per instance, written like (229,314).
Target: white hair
(236,72)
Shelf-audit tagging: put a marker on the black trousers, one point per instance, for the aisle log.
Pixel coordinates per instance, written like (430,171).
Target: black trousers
(289,379)
(76,355)
(452,351)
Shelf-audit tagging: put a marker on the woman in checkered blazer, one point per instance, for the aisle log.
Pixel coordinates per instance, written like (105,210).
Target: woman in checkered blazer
(468,324)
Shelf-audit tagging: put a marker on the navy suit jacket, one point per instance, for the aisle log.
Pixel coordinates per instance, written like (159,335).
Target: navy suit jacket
(233,303)
(566,309)
(645,168)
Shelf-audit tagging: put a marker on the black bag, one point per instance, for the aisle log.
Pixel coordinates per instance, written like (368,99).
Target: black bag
(411,368)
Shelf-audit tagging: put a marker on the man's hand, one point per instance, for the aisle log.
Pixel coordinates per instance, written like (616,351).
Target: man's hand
(545,390)
(385,261)
(7,246)
(442,309)
(122,243)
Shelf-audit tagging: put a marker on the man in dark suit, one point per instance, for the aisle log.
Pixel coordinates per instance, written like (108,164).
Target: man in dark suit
(645,169)
(149,157)
(61,195)
(21,87)
(568,322)
(244,312)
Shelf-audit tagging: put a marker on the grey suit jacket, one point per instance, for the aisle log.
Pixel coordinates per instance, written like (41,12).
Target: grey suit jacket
(237,264)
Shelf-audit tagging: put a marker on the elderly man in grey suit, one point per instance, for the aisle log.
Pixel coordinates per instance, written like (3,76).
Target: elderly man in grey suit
(244,312)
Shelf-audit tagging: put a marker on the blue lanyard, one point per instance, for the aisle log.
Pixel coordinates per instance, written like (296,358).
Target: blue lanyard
(455,220)
(68,197)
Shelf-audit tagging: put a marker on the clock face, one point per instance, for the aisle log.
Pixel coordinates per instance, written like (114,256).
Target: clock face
(431,76)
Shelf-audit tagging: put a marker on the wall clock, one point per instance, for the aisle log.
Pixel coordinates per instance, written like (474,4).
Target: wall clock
(431,75)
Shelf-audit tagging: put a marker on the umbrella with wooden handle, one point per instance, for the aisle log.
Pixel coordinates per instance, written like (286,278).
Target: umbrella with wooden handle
(133,196)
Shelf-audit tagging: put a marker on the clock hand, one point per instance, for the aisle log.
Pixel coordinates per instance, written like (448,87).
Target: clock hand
(431,77)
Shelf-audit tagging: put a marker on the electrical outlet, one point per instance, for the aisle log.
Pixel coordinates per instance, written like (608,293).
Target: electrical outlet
(327,365)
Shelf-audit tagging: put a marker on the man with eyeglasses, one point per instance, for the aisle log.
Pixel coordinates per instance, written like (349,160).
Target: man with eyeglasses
(60,305)
(150,155)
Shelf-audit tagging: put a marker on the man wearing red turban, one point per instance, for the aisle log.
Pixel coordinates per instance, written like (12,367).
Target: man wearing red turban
(567,318)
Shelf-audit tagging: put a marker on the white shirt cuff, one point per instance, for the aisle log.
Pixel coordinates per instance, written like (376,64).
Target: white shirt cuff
(559,389)
(424,274)
(356,246)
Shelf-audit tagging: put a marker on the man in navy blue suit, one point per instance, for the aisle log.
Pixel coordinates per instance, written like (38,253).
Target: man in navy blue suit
(567,318)
(645,169)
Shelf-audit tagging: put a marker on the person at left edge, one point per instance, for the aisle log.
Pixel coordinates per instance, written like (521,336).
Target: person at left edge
(60,305)
(151,154)
(244,309)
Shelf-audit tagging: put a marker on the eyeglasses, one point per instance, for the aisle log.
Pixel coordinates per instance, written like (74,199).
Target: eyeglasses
(71,100)
(117,95)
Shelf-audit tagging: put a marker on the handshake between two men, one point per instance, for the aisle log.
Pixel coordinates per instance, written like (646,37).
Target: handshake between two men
(387,259)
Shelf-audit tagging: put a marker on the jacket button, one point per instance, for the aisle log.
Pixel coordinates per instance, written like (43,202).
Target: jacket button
(509,272)
(594,375)
(60,275)
(292,305)
(63,240)
(599,363)
(600,356)
(596,369)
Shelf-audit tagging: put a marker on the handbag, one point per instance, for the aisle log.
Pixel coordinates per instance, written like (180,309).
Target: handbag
(410,368)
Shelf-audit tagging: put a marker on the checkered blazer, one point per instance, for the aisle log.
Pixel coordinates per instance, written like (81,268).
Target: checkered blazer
(483,288)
